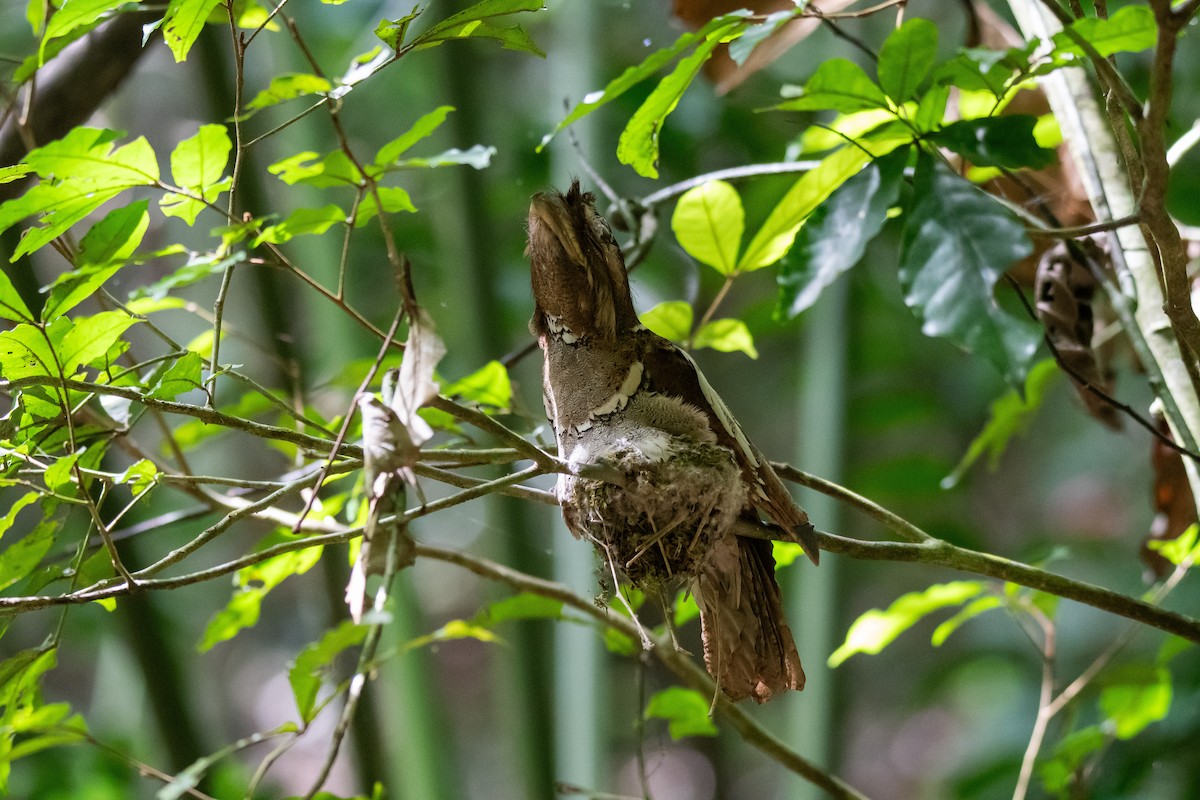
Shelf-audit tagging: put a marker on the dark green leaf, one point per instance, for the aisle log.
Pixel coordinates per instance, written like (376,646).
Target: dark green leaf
(1006,142)
(1010,416)
(776,235)
(836,234)
(906,57)
(837,85)
(685,710)
(957,244)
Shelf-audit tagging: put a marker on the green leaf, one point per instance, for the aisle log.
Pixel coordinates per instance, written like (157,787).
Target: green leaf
(708,222)
(141,476)
(685,710)
(303,222)
(931,109)
(289,86)
(79,172)
(393,198)
(254,584)
(488,386)
(1134,697)
(1006,142)
(1010,416)
(741,47)
(307,671)
(478,156)
(957,244)
(23,556)
(906,57)
(196,166)
(12,307)
(393,31)
(101,255)
(184,375)
(776,235)
(633,76)
(476,21)
(969,612)
(837,233)
(13,173)
(1179,549)
(10,516)
(1130,29)
(670,320)
(726,336)
(638,143)
(60,476)
(454,629)
(72,15)
(876,629)
(420,129)
(517,607)
(310,168)
(25,351)
(183,22)
(90,338)
(837,85)
(1068,756)
(844,127)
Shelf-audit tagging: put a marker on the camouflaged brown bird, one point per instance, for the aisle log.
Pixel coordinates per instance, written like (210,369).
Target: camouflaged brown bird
(627,399)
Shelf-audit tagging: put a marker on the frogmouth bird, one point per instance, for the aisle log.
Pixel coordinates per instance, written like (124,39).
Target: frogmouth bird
(627,400)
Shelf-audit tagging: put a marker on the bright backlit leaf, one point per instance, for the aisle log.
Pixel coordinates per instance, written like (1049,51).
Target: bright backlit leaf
(488,386)
(670,320)
(1134,697)
(876,629)
(420,129)
(638,143)
(183,22)
(726,336)
(708,222)
(289,86)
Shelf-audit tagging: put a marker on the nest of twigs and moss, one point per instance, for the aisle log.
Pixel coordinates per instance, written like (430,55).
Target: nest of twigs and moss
(659,526)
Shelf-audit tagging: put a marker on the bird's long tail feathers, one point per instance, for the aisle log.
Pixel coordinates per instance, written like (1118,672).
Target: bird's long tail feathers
(748,646)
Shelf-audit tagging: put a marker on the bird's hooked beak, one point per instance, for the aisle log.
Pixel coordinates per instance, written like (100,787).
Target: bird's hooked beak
(550,217)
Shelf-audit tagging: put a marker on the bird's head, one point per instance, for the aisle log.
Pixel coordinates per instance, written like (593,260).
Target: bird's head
(578,273)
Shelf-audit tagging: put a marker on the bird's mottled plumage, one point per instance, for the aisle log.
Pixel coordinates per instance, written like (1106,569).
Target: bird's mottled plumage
(620,395)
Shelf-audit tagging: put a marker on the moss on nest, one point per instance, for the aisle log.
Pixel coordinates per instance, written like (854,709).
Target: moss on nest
(659,527)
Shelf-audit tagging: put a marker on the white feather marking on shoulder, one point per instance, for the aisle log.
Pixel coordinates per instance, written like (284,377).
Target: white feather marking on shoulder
(620,398)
